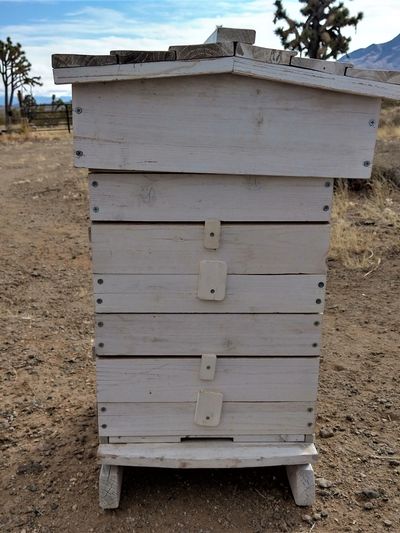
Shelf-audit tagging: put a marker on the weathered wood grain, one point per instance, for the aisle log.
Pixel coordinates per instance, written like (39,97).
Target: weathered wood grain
(330,67)
(269,379)
(267,55)
(385,76)
(234,65)
(143,56)
(178,248)
(207,454)
(203,51)
(197,197)
(302,483)
(238,418)
(222,34)
(164,293)
(245,127)
(194,334)
(81,60)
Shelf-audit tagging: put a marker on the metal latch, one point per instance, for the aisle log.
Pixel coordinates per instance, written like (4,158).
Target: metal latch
(212,232)
(207,366)
(212,280)
(208,408)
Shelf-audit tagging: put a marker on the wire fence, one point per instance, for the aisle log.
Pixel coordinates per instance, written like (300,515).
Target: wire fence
(48,116)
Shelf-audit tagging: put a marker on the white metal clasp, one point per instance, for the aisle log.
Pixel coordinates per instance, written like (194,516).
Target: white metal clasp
(208,408)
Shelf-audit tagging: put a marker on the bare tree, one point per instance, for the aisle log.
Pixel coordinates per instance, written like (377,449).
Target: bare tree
(15,73)
(320,34)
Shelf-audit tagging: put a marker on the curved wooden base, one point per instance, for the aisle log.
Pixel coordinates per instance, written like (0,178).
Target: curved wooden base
(110,481)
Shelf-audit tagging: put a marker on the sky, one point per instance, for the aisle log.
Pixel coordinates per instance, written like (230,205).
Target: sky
(45,27)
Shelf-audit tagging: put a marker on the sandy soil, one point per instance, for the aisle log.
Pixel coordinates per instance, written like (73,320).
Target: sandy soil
(48,424)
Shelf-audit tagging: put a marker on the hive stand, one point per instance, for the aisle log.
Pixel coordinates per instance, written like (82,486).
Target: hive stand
(210,182)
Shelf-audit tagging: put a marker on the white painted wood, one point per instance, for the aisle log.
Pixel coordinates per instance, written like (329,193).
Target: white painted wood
(208,366)
(212,280)
(331,67)
(207,454)
(110,481)
(386,76)
(212,233)
(192,335)
(130,440)
(302,483)
(208,408)
(235,65)
(218,128)
(210,198)
(178,248)
(141,293)
(261,379)
(237,418)
(235,438)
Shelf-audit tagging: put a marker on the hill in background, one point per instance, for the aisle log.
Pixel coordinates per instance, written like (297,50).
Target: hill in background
(384,56)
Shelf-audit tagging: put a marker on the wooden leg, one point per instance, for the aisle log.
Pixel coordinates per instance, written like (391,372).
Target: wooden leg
(302,483)
(110,482)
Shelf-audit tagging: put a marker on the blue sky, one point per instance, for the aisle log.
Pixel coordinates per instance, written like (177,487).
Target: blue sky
(96,27)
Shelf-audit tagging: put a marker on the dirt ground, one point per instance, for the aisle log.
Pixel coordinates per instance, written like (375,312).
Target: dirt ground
(48,423)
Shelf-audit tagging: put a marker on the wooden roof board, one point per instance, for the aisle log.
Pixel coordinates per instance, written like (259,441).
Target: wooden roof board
(235,65)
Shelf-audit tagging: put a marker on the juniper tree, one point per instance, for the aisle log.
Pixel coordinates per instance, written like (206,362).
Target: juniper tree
(15,73)
(319,35)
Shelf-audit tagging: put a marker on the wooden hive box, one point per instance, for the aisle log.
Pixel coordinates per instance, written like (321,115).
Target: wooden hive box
(211,177)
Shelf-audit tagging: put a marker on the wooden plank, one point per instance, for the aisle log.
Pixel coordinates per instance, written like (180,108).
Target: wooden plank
(385,76)
(164,293)
(203,51)
(197,197)
(219,129)
(236,65)
(81,60)
(246,418)
(142,56)
(331,67)
(207,455)
(221,34)
(238,438)
(193,335)
(311,78)
(247,379)
(178,248)
(267,55)
(110,482)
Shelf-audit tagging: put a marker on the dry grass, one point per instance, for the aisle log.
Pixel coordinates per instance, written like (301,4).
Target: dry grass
(25,133)
(389,124)
(355,217)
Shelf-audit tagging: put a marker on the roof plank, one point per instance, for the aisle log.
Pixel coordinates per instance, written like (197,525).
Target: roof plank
(203,51)
(331,67)
(386,76)
(81,60)
(222,34)
(267,55)
(143,56)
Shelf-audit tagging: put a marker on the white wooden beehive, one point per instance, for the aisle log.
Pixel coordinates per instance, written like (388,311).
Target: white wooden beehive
(211,187)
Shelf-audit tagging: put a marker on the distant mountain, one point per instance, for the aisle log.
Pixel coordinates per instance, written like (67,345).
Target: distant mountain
(384,56)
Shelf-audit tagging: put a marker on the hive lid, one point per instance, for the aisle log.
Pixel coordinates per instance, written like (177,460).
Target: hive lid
(227,50)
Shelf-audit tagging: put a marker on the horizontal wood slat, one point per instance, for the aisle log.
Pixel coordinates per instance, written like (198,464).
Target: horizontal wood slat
(178,248)
(237,418)
(207,454)
(190,334)
(164,293)
(221,124)
(269,379)
(193,197)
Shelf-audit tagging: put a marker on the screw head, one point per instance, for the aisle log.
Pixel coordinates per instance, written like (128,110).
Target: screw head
(315,344)
(100,281)
(316,323)
(309,409)
(78,153)
(103,409)
(101,344)
(212,291)
(100,324)
(95,209)
(367,163)
(318,301)
(95,183)
(321,284)
(78,110)
(326,208)
(372,122)
(327,184)
(104,426)
(99,301)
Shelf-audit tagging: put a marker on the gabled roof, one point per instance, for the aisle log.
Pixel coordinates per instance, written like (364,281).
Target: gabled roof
(222,57)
